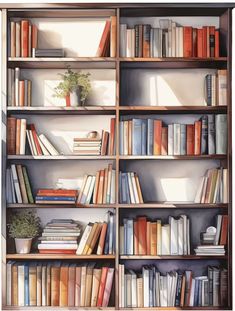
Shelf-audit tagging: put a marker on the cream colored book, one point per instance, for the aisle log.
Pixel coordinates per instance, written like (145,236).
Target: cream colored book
(94,239)
(84,238)
(166,240)
(95,286)
(48,145)
(159,237)
(140,293)
(45,152)
(82,188)
(22,136)
(225,185)
(83,286)
(89,240)
(89,274)
(21,277)
(133,180)
(39,285)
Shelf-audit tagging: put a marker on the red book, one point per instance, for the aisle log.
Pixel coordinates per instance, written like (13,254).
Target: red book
(217,43)
(224,230)
(207,41)
(212,40)
(199,43)
(142,229)
(164,145)
(108,287)
(21,93)
(112,137)
(188,41)
(194,42)
(34,38)
(157,137)
(104,272)
(104,41)
(24,38)
(57,192)
(197,137)
(100,188)
(190,139)
(204,42)
(57,251)
(35,138)
(11,135)
(104,142)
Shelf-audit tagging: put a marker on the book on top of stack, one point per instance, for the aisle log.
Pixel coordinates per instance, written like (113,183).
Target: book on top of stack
(87,146)
(56,196)
(59,237)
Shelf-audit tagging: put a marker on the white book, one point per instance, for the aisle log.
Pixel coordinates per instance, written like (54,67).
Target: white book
(91,190)
(121,240)
(157,288)
(17,78)
(48,145)
(22,136)
(123,285)
(173,39)
(166,240)
(111,232)
(174,235)
(180,223)
(222,87)
(128,290)
(188,236)
(21,285)
(44,285)
(181,42)
(203,197)
(84,238)
(184,217)
(112,190)
(82,188)
(129,50)
(134,188)
(18,40)
(132,197)
(169,279)
(139,292)
(176,143)
(225,185)
(45,152)
(33,143)
(163,291)
(170,139)
(192,292)
(218,229)
(109,185)
(14,200)
(16,184)
(123,39)
(86,189)
(120,286)
(9,283)
(146,286)
(39,285)
(133,289)
(58,246)
(199,191)
(176,41)
(169,43)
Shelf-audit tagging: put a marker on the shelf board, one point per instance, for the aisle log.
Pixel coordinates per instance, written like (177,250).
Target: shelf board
(87,110)
(177,308)
(55,308)
(181,157)
(59,157)
(162,205)
(188,257)
(17,205)
(37,256)
(173,59)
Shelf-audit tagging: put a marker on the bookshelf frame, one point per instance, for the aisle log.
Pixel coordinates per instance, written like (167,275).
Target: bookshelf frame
(224,10)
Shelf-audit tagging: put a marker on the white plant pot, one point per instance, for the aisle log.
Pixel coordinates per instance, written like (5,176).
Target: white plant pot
(23,246)
(75,98)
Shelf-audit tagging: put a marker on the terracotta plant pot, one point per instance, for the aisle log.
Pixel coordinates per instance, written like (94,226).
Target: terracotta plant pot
(23,246)
(67,100)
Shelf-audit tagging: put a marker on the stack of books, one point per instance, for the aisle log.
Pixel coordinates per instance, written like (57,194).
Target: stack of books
(49,53)
(130,190)
(213,187)
(173,289)
(216,88)
(16,139)
(87,146)
(59,237)
(24,39)
(98,238)
(58,284)
(18,189)
(56,196)
(152,137)
(98,189)
(215,247)
(19,91)
(168,40)
(142,237)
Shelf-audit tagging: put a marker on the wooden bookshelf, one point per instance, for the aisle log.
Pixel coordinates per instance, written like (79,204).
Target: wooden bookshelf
(121,109)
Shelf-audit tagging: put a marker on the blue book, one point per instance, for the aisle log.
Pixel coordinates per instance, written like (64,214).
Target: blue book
(106,245)
(125,235)
(200,293)
(149,136)
(136,136)
(120,187)
(127,189)
(178,289)
(121,137)
(196,292)
(130,237)
(26,284)
(183,140)
(123,189)
(151,287)
(144,137)
(49,198)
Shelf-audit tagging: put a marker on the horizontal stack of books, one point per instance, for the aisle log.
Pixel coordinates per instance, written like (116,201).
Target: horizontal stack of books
(142,237)
(168,40)
(87,146)
(18,189)
(173,289)
(16,139)
(59,237)
(56,196)
(98,238)
(98,189)
(19,91)
(152,137)
(214,239)
(216,88)
(49,53)
(58,284)
(130,190)
(24,39)
(213,187)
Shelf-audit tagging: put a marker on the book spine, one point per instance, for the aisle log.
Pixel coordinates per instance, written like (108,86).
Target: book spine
(188,41)
(137,39)
(211,134)
(217,46)
(221,133)
(24,38)
(136,136)
(146,40)
(176,143)
(204,135)
(157,137)
(143,137)
(199,43)
(11,136)
(150,137)
(209,90)
(183,139)
(190,139)
(212,40)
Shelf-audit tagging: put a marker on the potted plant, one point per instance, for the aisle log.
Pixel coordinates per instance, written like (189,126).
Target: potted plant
(74,88)
(24,226)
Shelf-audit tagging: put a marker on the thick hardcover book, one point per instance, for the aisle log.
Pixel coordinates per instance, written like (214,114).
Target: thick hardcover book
(204,135)
(150,137)
(197,137)
(190,139)
(183,139)
(157,137)
(24,38)
(136,136)
(188,41)
(221,133)
(142,229)
(146,40)
(212,40)
(11,135)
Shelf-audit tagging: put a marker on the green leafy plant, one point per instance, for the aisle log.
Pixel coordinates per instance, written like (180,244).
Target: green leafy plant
(24,224)
(71,81)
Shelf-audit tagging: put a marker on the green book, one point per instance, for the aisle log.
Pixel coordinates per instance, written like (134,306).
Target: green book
(27,185)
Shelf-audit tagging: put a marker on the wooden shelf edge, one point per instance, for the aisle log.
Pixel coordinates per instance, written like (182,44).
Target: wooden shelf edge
(37,256)
(172,108)
(60,157)
(55,308)
(18,205)
(172,157)
(172,59)
(177,308)
(188,257)
(61,59)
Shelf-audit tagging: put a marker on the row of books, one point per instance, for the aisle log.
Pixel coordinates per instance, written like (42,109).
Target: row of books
(98,189)
(142,237)
(18,188)
(24,38)
(151,137)
(56,196)
(19,90)
(58,283)
(130,190)
(213,187)
(216,88)
(59,236)
(152,288)
(98,238)
(17,130)
(168,40)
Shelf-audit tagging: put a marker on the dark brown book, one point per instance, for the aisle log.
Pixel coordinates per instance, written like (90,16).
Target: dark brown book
(197,137)
(224,230)
(11,135)
(146,40)
(190,139)
(104,142)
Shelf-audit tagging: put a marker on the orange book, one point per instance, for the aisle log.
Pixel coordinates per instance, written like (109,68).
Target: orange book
(102,286)
(142,229)
(136,242)
(113,36)
(197,137)
(64,275)
(112,137)
(217,43)
(157,137)
(100,188)
(35,138)
(164,145)
(71,285)
(21,93)
(148,237)
(153,238)
(55,285)
(188,41)
(194,42)
(199,43)
(18,126)
(105,38)
(182,292)
(14,289)
(24,38)
(104,144)
(224,230)
(204,41)
(34,39)
(57,192)
(95,194)
(11,135)
(129,137)
(105,188)
(100,247)
(57,251)
(190,139)
(212,40)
